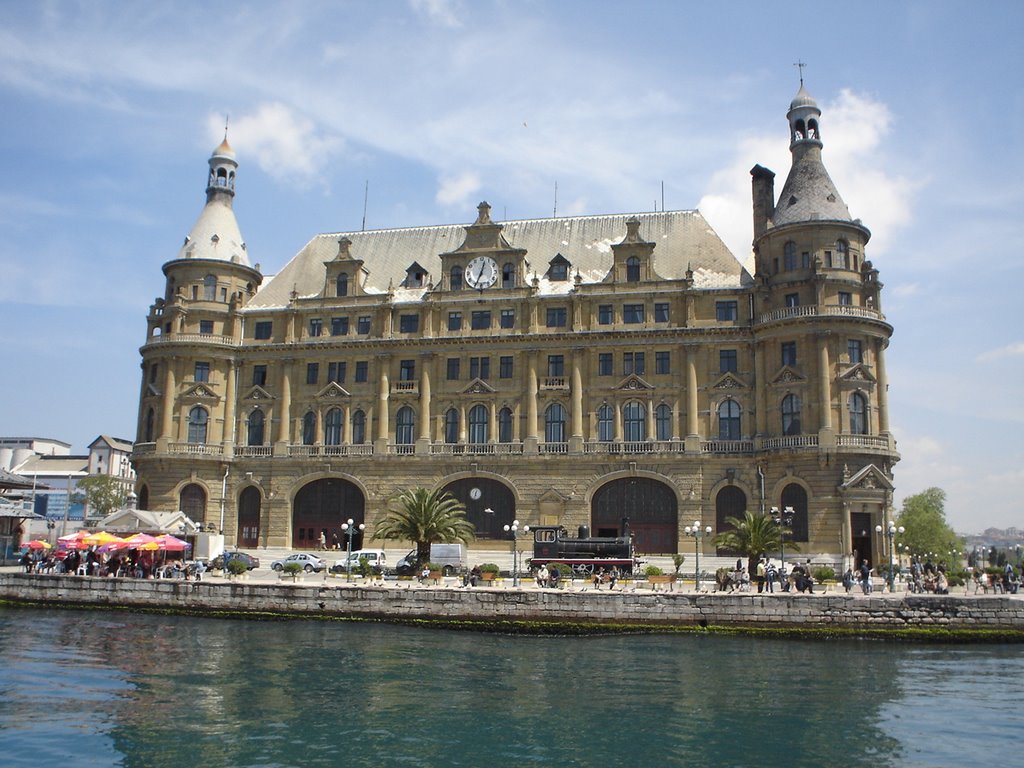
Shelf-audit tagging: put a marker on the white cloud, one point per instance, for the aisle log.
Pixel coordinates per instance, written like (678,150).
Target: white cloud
(440,12)
(1016,349)
(906,290)
(456,190)
(288,146)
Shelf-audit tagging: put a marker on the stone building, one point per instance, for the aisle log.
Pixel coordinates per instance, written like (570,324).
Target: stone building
(571,371)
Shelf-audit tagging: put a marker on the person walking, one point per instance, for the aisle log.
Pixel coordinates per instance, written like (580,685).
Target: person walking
(760,575)
(865,577)
(770,573)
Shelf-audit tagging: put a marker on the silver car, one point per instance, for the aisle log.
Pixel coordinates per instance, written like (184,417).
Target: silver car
(309,563)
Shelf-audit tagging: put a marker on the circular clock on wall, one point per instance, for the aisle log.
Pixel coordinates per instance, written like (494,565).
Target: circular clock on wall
(475,494)
(481,272)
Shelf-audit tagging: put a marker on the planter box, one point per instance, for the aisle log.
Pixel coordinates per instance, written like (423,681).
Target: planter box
(664,578)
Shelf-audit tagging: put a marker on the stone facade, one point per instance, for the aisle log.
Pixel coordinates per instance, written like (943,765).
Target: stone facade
(569,371)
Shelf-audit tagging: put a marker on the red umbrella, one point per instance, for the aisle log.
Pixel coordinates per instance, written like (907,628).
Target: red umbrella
(39,544)
(170,543)
(74,540)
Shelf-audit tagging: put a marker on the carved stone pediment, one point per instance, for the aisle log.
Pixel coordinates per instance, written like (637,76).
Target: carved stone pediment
(859,375)
(257,394)
(867,478)
(200,392)
(332,391)
(633,383)
(478,387)
(729,381)
(551,496)
(788,375)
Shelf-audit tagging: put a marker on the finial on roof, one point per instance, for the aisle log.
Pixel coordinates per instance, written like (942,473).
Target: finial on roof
(484,213)
(800,65)
(344,248)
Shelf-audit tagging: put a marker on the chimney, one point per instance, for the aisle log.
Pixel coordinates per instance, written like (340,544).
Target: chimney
(763,184)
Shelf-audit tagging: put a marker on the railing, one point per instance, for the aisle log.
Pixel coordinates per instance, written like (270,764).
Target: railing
(359,449)
(453,449)
(790,441)
(254,451)
(555,382)
(869,442)
(618,448)
(727,446)
(401,450)
(141,449)
(404,387)
(550,448)
(818,310)
(196,449)
(203,338)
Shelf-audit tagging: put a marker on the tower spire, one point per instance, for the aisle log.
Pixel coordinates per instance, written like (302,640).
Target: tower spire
(800,65)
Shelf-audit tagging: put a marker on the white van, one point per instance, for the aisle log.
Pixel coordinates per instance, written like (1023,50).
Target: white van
(451,558)
(377,560)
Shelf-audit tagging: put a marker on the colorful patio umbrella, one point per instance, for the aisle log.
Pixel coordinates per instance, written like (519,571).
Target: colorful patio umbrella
(100,538)
(135,541)
(74,540)
(170,543)
(39,544)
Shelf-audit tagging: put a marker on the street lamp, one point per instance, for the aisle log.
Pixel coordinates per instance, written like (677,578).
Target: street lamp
(785,520)
(697,533)
(890,532)
(514,530)
(349,530)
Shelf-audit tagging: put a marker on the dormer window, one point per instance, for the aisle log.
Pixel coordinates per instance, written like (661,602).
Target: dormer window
(341,285)
(633,269)
(455,279)
(508,276)
(558,269)
(415,276)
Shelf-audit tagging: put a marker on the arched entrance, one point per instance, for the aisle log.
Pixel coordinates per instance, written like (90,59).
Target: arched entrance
(730,502)
(480,494)
(652,510)
(794,496)
(192,502)
(321,507)
(249,503)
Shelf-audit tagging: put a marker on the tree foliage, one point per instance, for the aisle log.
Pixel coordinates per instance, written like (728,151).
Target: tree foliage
(927,533)
(756,534)
(102,494)
(426,517)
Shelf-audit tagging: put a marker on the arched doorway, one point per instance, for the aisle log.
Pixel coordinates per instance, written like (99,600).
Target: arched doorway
(480,494)
(652,510)
(143,500)
(249,503)
(321,507)
(192,501)
(794,495)
(730,502)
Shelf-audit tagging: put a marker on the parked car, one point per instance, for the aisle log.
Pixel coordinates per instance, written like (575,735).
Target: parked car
(376,559)
(308,562)
(219,562)
(451,558)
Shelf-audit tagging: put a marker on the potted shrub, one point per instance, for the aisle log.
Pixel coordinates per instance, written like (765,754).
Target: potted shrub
(237,568)
(292,570)
(436,572)
(489,571)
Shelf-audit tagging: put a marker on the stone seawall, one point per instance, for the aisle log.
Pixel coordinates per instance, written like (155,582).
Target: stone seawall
(1002,615)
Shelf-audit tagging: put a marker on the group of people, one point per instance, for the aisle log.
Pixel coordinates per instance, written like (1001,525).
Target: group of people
(767,575)
(139,565)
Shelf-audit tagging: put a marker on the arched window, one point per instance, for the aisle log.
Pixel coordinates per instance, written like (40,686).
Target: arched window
(633,269)
(456,279)
(197,419)
(789,256)
(333,423)
(554,424)
(663,422)
(791,415)
(605,423)
(729,420)
(148,429)
(634,422)
(842,254)
(451,426)
(505,425)
(405,426)
(341,285)
(793,495)
(143,500)
(193,502)
(209,288)
(478,424)
(508,276)
(309,428)
(858,414)
(358,428)
(255,427)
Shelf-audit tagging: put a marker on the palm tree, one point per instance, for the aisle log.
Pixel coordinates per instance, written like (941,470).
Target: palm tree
(424,517)
(752,536)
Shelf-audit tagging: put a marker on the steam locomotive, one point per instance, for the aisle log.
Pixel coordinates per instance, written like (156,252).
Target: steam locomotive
(584,553)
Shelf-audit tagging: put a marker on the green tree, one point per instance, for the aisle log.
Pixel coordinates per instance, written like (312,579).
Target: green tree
(754,535)
(102,495)
(924,517)
(426,517)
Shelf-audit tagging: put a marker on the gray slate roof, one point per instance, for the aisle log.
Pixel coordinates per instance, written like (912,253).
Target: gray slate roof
(809,193)
(683,239)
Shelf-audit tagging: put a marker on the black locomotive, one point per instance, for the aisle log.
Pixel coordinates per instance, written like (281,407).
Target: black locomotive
(584,553)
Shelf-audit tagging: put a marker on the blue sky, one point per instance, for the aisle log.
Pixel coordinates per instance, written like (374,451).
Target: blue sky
(110,110)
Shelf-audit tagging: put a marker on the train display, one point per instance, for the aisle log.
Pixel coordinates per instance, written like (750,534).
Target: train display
(583,553)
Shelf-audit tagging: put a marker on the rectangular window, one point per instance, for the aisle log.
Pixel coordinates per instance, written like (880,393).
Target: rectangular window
(480,320)
(362,370)
(264,329)
(662,362)
(454,321)
(479,367)
(206,327)
(633,362)
(792,299)
(153,369)
(339,326)
(789,353)
(336,372)
(505,367)
(363,324)
(727,361)
(259,375)
(407,370)
(604,364)
(312,373)
(789,258)
(661,313)
(408,323)
(316,327)
(605,315)
(632,313)
(726,311)
(508,318)
(556,365)
(223,294)
(556,317)
(805,260)
(828,259)
(453,368)
(202,372)
(855,350)
(845,299)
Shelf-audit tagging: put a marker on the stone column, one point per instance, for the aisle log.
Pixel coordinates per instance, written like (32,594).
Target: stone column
(883,389)
(285,410)
(824,383)
(530,444)
(576,437)
(167,410)
(383,394)
(423,441)
(761,388)
(692,434)
(652,429)
(230,396)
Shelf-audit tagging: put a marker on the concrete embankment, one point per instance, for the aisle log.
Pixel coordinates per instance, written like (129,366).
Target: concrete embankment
(541,611)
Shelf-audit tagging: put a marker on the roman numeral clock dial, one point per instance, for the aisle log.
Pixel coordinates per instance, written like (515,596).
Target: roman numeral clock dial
(481,272)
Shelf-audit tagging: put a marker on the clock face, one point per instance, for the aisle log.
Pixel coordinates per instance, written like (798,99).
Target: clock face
(474,493)
(481,272)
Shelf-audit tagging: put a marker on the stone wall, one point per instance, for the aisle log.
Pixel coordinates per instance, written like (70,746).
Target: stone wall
(398,603)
